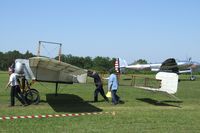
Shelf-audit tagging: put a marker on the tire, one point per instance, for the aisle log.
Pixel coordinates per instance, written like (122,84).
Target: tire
(192,78)
(32,96)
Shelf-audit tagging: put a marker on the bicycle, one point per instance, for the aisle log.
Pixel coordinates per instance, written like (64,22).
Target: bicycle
(31,95)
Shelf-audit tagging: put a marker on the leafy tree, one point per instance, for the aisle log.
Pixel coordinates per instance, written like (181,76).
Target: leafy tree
(28,55)
(140,61)
(8,58)
(88,62)
(102,64)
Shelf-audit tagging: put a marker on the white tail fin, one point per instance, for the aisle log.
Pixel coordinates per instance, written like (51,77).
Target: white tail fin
(120,63)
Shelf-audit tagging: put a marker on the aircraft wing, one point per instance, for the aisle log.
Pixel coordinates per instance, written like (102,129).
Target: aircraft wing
(51,70)
(169,83)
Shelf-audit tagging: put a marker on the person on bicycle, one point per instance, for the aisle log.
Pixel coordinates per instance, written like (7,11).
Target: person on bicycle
(15,88)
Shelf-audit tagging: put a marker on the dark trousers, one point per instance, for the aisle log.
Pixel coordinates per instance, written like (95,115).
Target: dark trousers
(16,92)
(99,88)
(115,97)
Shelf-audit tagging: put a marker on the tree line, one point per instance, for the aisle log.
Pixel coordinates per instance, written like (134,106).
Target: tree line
(100,64)
(7,58)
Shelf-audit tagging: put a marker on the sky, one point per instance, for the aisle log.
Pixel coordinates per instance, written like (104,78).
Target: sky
(153,30)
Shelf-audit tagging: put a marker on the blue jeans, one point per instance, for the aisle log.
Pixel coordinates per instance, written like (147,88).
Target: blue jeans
(115,97)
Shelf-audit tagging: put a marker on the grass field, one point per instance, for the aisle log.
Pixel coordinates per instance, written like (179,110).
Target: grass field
(139,112)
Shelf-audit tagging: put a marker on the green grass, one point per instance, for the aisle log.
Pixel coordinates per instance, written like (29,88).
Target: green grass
(140,111)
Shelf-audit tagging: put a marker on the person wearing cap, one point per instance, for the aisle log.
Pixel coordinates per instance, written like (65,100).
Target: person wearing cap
(113,87)
(15,88)
(98,84)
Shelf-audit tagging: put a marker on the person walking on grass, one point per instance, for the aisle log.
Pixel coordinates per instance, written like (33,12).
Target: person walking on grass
(113,87)
(15,89)
(98,84)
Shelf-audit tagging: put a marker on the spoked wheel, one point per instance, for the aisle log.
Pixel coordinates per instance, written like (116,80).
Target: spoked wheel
(32,96)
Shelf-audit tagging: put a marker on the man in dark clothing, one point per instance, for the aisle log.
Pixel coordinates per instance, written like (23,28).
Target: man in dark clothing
(98,84)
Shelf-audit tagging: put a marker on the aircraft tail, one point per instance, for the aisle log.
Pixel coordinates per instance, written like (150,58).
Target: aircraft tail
(120,63)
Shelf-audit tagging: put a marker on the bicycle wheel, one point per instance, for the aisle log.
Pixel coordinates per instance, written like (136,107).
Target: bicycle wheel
(32,96)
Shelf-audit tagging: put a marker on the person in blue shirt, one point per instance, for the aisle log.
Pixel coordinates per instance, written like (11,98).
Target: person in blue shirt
(98,84)
(113,87)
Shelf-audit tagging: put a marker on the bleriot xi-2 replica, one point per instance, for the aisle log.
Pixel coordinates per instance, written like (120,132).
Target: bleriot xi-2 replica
(43,69)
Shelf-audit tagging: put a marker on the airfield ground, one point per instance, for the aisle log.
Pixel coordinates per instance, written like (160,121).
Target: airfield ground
(139,111)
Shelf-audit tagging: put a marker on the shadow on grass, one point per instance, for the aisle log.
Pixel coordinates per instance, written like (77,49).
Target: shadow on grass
(70,103)
(160,103)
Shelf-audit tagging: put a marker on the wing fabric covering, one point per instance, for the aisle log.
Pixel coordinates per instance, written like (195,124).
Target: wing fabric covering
(51,70)
(169,83)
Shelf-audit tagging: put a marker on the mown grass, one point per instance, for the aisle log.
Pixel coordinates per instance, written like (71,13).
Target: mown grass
(139,112)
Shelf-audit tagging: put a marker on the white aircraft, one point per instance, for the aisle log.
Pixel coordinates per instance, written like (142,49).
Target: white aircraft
(45,69)
(167,76)
(169,65)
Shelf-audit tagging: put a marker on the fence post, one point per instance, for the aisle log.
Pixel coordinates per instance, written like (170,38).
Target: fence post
(133,80)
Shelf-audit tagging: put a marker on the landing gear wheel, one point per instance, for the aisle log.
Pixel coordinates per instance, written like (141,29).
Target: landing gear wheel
(32,96)
(192,78)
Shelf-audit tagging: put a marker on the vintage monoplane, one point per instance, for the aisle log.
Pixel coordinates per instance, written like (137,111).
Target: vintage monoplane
(45,69)
(166,79)
(169,65)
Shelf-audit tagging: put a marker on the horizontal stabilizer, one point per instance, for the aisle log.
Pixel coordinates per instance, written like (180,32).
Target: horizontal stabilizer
(122,63)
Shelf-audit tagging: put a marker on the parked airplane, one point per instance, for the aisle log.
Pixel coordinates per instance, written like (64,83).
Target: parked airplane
(45,69)
(167,79)
(50,70)
(169,65)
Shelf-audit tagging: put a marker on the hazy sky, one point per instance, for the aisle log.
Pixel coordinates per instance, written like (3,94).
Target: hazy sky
(132,29)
